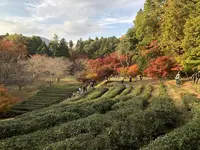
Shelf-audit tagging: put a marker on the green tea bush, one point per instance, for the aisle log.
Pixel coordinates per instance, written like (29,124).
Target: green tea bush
(80,142)
(94,124)
(125,92)
(136,91)
(186,137)
(104,106)
(189,101)
(78,97)
(147,92)
(53,117)
(44,98)
(162,91)
(114,92)
(134,102)
(140,128)
(97,93)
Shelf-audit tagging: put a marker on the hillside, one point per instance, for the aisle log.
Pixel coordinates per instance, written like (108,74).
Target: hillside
(135,115)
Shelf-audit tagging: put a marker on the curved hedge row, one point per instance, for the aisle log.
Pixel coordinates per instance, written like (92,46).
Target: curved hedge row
(44,98)
(137,91)
(130,132)
(186,137)
(56,116)
(97,93)
(100,107)
(126,122)
(94,124)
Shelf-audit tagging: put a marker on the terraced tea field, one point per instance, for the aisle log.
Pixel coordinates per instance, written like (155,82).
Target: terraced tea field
(114,117)
(44,98)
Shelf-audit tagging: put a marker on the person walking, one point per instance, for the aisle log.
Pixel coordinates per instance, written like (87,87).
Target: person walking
(194,77)
(141,77)
(178,78)
(122,81)
(197,77)
(130,79)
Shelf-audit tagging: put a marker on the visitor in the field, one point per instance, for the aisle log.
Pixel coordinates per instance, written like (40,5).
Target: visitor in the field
(194,77)
(80,90)
(178,78)
(197,77)
(84,88)
(141,77)
(130,79)
(106,78)
(122,81)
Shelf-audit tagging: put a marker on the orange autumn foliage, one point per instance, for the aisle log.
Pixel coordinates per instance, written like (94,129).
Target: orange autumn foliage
(128,71)
(6,100)
(160,67)
(133,70)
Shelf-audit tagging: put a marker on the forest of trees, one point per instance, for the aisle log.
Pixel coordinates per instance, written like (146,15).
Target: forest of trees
(165,36)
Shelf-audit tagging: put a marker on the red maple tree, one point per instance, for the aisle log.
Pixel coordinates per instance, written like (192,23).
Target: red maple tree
(160,67)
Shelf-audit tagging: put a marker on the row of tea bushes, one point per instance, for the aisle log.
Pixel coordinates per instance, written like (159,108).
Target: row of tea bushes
(129,129)
(186,137)
(44,98)
(53,116)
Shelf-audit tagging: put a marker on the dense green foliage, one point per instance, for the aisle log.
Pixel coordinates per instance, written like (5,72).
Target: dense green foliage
(97,47)
(186,137)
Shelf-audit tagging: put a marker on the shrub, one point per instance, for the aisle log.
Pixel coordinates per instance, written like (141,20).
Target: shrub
(186,137)
(189,100)
(142,127)
(44,98)
(147,92)
(137,90)
(6,101)
(97,93)
(51,117)
(82,141)
(94,124)
(125,92)
(162,91)
(114,92)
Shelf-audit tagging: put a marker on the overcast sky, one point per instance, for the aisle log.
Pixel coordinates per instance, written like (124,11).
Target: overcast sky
(70,19)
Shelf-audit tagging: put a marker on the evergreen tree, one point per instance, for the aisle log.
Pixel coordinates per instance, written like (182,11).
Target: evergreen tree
(63,49)
(147,22)
(191,41)
(53,45)
(172,26)
(43,49)
(34,45)
(71,44)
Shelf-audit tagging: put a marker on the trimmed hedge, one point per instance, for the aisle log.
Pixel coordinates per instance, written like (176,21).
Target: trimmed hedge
(135,130)
(97,93)
(189,101)
(94,125)
(113,92)
(140,128)
(125,92)
(137,91)
(147,92)
(44,98)
(80,142)
(126,122)
(52,117)
(186,137)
